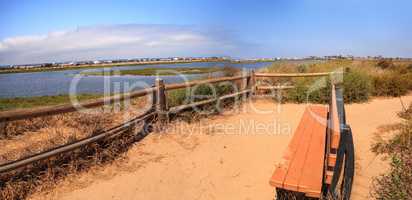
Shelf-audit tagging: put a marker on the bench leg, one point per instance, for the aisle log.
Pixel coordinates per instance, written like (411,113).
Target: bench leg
(282,194)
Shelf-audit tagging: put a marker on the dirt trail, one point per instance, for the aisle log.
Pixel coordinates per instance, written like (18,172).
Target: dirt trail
(230,156)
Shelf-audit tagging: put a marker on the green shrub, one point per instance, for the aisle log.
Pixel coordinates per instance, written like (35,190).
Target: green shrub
(310,90)
(302,68)
(176,97)
(361,80)
(198,93)
(298,94)
(357,87)
(391,84)
(322,94)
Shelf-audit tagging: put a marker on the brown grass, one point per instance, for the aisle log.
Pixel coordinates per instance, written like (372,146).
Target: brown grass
(28,137)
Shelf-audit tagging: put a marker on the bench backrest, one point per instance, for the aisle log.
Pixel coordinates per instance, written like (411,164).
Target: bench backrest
(340,156)
(332,136)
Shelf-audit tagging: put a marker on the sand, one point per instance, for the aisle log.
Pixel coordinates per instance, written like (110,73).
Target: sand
(216,159)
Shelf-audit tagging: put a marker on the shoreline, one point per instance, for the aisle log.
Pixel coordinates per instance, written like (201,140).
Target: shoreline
(157,71)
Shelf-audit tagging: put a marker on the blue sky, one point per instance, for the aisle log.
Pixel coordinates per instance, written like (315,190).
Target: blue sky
(39,31)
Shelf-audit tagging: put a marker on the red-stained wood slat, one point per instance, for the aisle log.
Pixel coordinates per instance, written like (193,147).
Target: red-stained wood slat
(310,181)
(279,174)
(306,150)
(296,165)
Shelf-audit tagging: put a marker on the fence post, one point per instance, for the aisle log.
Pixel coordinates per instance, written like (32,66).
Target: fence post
(3,133)
(244,85)
(252,82)
(148,122)
(161,105)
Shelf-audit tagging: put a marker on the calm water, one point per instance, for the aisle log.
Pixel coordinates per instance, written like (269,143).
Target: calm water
(60,82)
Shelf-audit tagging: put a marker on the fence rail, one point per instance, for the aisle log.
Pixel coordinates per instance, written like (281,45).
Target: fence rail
(159,109)
(177,109)
(293,75)
(55,110)
(282,87)
(212,80)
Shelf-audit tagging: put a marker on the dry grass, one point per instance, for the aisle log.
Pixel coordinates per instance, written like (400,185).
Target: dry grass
(43,175)
(28,137)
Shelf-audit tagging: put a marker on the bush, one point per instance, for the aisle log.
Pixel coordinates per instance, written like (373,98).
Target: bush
(409,67)
(408,80)
(198,93)
(391,84)
(176,97)
(298,94)
(310,90)
(362,79)
(385,63)
(302,68)
(357,87)
(230,71)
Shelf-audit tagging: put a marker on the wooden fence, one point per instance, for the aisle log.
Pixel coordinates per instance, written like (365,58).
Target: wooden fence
(159,110)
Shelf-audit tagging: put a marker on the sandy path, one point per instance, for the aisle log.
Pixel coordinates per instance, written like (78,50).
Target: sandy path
(215,159)
(364,120)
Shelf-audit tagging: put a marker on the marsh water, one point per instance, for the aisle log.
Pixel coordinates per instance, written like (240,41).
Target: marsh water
(63,82)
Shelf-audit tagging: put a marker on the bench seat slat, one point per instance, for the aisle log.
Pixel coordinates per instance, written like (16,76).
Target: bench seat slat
(296,165)
(279,175)
(310,182)
(304,155)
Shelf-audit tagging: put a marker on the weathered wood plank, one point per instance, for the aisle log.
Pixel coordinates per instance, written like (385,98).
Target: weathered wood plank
(54,110)
(275,87)
(177,109)
(292,75)
(193,83)
(161,104)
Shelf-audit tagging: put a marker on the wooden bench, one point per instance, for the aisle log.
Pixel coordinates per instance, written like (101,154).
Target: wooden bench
(309,161)
(303,161)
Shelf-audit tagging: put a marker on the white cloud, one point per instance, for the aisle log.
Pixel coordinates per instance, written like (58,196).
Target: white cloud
(115,41)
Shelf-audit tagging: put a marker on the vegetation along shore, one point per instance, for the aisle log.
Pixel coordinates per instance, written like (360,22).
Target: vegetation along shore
(157,71)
